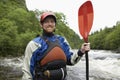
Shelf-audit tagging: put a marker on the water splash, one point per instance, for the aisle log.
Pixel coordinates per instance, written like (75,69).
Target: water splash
(103,65)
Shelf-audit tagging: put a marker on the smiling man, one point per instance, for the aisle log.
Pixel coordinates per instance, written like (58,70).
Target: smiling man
(46,56)
(48,22)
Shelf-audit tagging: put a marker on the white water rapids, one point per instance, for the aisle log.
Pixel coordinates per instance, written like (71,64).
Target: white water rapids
(103,65)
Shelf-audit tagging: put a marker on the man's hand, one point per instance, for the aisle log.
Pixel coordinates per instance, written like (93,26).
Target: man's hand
(85,47)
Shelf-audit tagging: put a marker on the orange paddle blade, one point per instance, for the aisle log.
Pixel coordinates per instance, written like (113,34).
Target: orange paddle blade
(85,19)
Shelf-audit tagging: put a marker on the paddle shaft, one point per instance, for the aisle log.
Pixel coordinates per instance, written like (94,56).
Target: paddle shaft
(87,66)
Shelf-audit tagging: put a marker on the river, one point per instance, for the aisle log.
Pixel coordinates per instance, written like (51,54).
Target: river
(103,65)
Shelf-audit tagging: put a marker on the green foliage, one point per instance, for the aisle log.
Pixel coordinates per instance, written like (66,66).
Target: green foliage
(18,26)
(8,31)
(7,6)
(23,19)
(112,41)
(109,38)
(23,39)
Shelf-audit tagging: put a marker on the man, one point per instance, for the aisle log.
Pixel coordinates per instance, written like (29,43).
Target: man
(46,56)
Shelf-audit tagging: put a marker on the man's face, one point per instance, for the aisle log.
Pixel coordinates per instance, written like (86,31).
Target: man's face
(49,24)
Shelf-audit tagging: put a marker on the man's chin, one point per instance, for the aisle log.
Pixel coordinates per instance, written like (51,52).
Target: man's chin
(49,31)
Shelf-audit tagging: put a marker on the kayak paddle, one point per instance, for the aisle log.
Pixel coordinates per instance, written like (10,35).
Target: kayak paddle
(85,21)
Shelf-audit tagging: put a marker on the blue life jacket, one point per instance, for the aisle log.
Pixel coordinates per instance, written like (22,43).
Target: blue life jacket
(38,54)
